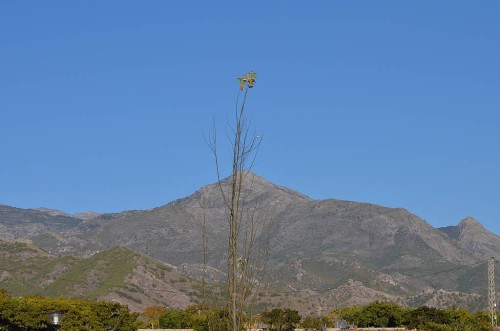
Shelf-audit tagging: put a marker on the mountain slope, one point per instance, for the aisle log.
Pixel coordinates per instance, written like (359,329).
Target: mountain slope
(117,274)
(17,223)
(474,238)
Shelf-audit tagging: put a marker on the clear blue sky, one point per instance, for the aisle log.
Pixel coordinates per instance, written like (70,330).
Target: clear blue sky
(103,104)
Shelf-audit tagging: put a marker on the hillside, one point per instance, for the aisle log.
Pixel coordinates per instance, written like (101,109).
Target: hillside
(116,274)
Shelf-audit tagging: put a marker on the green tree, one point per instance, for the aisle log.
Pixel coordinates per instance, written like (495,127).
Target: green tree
(480,320)
(313,322)
(351,314)
(217,319)
(32,313)
(281,319)
(434,319)
(381,314)
(175,319)
(424,316)
(152,314)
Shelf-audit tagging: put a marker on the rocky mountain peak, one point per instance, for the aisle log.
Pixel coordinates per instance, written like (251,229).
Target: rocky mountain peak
(259,185)
(477,240)
(469,221)
(255,188)
(467,225)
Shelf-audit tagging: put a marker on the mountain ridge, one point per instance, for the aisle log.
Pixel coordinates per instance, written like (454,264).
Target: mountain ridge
(315,245)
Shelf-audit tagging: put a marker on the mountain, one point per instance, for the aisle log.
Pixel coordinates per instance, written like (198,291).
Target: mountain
(318,248)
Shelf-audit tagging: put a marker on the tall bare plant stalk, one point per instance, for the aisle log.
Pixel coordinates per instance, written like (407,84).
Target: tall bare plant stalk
(244,254)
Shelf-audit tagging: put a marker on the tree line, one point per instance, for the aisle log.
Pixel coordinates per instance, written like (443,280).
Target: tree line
(388,314)
(377,314)
(32,314)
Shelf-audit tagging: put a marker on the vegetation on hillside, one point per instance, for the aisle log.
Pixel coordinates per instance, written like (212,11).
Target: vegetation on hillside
(118,273)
